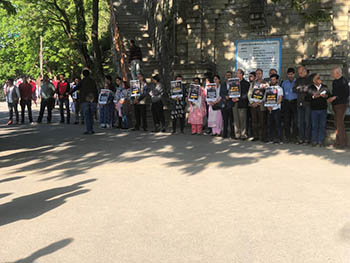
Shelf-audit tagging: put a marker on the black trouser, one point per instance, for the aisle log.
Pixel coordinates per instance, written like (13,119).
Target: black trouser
(27,103)
(227,115)
(182,124)
(290,119)
(140,114)
(258,123)
(158,114)
(49,104)
(12,106)
(64,102)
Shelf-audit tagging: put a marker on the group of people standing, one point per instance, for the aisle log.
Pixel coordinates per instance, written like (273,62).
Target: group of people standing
(298,116)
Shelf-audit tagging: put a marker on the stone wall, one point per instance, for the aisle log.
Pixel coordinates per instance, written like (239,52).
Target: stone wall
(206,32)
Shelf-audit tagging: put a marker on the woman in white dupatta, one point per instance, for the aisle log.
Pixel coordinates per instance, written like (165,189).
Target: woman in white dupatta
(215,117)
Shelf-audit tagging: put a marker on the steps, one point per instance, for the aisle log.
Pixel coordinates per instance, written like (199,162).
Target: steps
(132,24)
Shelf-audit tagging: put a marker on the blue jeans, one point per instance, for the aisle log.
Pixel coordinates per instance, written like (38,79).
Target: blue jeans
(304,123)
(89,109)
(319,120)
(105,114)
(274,129)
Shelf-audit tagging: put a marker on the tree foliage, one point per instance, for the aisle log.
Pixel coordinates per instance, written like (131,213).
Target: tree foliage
(312,10)
(66,27)
(5,4)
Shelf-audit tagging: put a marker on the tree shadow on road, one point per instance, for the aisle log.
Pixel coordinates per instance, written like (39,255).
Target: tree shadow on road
(34,205)
(63,151)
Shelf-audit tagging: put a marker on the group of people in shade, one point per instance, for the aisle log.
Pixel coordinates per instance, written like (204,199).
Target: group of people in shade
(299,115)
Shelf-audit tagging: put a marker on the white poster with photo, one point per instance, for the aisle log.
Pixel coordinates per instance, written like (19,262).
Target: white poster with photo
(194,93)
(211,92)
(234,89)
(135,88)
(176,89)
(103,97)
(271,96)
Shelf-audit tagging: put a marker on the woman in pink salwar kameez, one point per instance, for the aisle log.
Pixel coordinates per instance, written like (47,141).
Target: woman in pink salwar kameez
(215,117)
(197,111)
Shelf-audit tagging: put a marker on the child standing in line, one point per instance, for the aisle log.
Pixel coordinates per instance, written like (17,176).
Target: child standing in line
(197,110)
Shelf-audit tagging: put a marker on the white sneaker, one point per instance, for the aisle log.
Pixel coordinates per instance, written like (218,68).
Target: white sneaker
(102,126)
(108,126)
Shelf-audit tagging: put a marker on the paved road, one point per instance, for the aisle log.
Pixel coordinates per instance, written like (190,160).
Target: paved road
(139,197)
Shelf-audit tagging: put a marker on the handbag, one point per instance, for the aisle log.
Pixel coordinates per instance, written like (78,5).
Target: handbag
(219,106)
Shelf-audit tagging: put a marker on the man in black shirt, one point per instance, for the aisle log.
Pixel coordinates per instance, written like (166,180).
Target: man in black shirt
(135,59)
(339,100)
(88,98)
(227,113)
(301,88)
(240,108)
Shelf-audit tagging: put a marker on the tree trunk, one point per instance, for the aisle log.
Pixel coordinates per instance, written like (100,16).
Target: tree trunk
(98,67)
(81,42)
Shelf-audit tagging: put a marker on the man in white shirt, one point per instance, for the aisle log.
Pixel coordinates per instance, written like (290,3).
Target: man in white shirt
(274,130)
(12,96)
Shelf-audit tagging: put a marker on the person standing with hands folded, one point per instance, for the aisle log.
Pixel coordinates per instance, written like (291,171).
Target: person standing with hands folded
(339,100)
(319,94)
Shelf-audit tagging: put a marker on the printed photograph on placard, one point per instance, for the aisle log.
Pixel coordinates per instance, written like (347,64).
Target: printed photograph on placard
(258,93)
(103,97)
(234,88)
(135,88)
(176,89)
(271,96)
(194,93)
(211,92)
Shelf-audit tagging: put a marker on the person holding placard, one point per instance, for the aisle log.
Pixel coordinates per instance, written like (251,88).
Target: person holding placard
(258,112)
(105,101)
(273,99)
(125,101)
(240,107)
(76,100)
(140,104)
(319,94)
(178,103)
(227,113)
(197,110)
(213,98)
(156,94)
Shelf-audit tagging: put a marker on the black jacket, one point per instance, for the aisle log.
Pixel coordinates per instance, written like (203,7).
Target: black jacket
(243,100)
(135,53)
(318,103)
(341,91)
(301,87)
(223,93)
(88,90)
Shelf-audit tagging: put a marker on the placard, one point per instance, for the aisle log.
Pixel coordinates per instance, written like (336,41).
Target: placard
(258,93)
(271,96)
(103,97)
(194,93)
(135,88)
(262,53)
(234,89)
(176,89)
(211,92)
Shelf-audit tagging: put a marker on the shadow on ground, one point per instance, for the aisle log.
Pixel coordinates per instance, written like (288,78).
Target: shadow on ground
(46,251)
(63,149)
(34,205)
